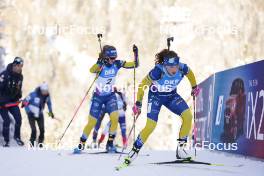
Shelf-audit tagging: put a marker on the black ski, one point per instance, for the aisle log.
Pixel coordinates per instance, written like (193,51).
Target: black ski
(106,152)
(182,161)
(190,161)
(117,152)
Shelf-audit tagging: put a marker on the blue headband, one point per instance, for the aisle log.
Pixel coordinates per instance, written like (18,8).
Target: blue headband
(112,53)
(171,61)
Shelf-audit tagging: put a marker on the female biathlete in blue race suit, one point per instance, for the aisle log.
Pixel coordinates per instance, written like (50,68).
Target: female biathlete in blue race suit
(162,81)
(107,67)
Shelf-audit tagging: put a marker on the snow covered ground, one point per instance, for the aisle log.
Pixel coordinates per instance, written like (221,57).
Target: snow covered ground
(20,161)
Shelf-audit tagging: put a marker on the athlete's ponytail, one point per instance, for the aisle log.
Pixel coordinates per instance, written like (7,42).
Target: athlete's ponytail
(165,53)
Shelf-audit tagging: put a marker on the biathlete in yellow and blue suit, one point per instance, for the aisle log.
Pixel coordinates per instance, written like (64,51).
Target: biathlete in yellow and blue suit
(162,81)
(107,67)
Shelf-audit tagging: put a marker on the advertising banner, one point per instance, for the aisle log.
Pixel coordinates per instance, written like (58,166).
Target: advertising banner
(234,121)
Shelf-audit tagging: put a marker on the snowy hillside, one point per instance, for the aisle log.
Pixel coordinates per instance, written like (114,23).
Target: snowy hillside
(43,163)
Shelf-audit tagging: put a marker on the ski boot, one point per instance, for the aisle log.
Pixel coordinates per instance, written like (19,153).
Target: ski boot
(132,154)
(110,147)
(80,146)
(79,149)
(130,157)
(182,151)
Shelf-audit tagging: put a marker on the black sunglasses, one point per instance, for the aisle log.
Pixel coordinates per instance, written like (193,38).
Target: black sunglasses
(112,58)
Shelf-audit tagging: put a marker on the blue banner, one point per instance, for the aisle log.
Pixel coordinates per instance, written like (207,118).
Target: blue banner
(204,107)
(237,112)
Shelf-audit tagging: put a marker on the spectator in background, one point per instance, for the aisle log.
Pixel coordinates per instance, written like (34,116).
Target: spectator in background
(34,105)
(10,92)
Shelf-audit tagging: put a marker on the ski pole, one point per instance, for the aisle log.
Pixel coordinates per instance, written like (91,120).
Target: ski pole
(194,126)
(86,94)
(135,50)
(134,117)
(129,134)
(76,111)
